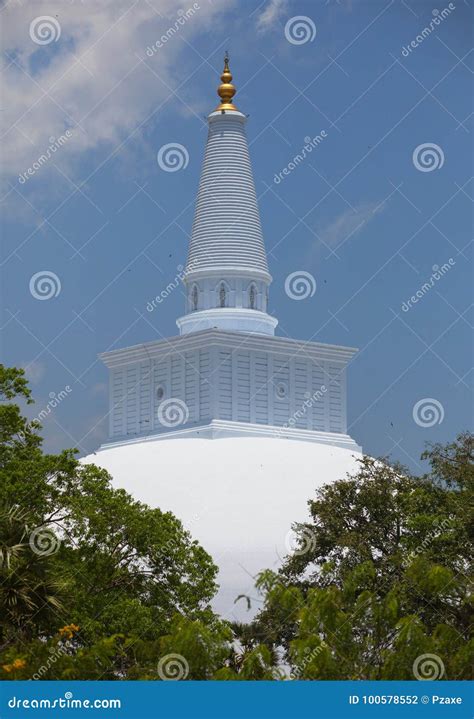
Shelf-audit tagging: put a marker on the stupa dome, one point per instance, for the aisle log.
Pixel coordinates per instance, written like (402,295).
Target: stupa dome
(238,496)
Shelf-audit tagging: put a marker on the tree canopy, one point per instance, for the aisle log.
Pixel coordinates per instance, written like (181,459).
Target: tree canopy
(96,585)
(76,552)
(381,574)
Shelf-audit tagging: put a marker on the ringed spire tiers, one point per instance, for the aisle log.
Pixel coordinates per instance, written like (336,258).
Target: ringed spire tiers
(227,276)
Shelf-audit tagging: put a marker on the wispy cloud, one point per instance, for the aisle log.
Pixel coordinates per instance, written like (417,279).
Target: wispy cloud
(34,371)
(349,223)
(271,15)
(94,77)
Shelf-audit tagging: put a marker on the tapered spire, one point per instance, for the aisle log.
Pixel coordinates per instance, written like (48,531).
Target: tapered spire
(226,89)
(226,276)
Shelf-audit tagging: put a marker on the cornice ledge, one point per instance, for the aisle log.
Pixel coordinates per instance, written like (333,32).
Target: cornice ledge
(223,338)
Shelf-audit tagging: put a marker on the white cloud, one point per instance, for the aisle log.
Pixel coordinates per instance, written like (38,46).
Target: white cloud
(349,223)
(270,17)
(93,80)
(34,371)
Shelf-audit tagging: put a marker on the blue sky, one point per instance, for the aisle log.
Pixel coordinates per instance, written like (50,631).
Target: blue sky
(357,213)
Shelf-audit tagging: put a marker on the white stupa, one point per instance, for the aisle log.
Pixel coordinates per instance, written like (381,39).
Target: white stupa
(228,426)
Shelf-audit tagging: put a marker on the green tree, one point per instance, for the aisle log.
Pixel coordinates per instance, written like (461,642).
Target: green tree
(30,593)
(381,575)
(77,552)
(95,585)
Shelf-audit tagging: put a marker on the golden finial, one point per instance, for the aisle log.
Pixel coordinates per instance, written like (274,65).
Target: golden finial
(226,89)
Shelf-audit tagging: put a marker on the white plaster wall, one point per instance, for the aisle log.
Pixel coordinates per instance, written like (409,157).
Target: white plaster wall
(232,384)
